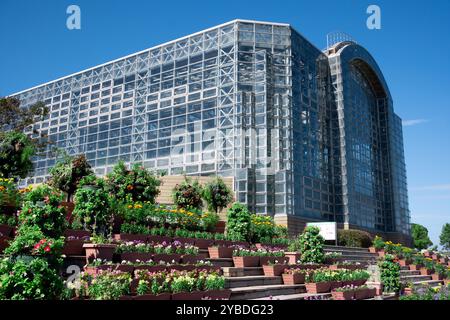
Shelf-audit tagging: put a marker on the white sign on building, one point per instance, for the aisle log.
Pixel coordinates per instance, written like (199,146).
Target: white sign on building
(328,230)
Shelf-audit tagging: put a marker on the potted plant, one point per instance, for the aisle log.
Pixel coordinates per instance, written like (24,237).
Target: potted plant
(294,276)
(406,257)
(243,258)
(215,287)
(152,288)
(73,246)
(364,292)
(99,248)
(183,287)
(218,252)
(377,245)
(343,293)
(318,281)
(417,262)
(428,267)
(439,272)
(274,269)
(188,194)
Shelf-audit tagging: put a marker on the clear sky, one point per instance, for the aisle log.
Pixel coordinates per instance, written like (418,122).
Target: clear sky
(412,49)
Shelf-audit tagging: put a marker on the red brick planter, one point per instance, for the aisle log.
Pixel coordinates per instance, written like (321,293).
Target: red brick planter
(162,296)
(362,294)
(130,237)
(292,256)
(73,248)
(404,262)
(347,295)
(220,252)
(266,260)
(296,278)
(275,270)
(217,294)
(243,262)
(203,243)
(437,277)
(415,267)
(319,287)
(135,256)
(197,295)
(99,251)
(425,271)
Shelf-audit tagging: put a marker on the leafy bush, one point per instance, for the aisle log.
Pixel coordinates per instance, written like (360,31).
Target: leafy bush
(92,206)
(66,174)
(137,184)
(188,194)
(354,238)
(389,273)
(217,195)
(16,151)
(262,228)
(238,223)
(378,243)
(9,195)
(310,245)
(107,285)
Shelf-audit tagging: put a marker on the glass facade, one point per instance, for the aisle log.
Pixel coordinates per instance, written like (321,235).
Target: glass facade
(250,100)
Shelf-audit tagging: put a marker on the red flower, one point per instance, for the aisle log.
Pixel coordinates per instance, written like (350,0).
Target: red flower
(47,249)
(37,246)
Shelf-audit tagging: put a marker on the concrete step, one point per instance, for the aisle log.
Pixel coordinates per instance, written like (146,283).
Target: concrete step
(414,278)
(431,283)
(251,281)
(404,273)
(242,272)
(221,262)
(344,249)
(254,292)
(296,296)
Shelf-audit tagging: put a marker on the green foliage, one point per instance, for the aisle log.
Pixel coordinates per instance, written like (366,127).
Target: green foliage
(262,228)
(9,195)
(135,184)
(444,238)
(13,117)
(420,236)
(310,244)
(68,172)
(389,273)
(16,150)
(238,223)
(378,243)
(29,280)
(188,194)
(8,220)
(429,293)
(354,238)
(108,285)
(92,206)
(217,195)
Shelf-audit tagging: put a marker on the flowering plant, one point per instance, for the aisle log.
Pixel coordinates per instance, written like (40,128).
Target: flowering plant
(9,195)
(378,243)
(107,285)
(48,247)
(188,194)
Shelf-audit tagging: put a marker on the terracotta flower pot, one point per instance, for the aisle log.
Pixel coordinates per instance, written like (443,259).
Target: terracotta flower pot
(373,250)
(292,256)
(407,291)
(243,262)
(217,294)
(361,294)
(275,270)
(435,256)
(347,295)
(99,251)
(425,271)
(319,287)
(296,278)
(130,237)
(73,248)
(135,256)
(5,230)
(220,252)
(443,260)
(168,258)
(161,296)
(427,254)
(203,243)
(196,295)
(190,259)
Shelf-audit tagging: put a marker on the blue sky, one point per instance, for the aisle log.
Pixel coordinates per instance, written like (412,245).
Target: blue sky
(412,49)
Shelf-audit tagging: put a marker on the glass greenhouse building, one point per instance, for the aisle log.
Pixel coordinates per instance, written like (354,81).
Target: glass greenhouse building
(306,134)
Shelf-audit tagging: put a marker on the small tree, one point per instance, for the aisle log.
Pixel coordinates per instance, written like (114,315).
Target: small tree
(238,223)
(188,194)
(66,174)
(310,245)
(420,236)
(217,195)
(16,150)
(445,236)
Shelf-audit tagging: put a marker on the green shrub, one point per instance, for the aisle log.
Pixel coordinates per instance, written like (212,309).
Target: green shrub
(238,223)
(188,194)
(310,245)
(262,228)
(217,195)
(354,238)
(389,273)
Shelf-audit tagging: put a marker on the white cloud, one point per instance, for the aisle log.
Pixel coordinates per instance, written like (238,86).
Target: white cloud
(413,122)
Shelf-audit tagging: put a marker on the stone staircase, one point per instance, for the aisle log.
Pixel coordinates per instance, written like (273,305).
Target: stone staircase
(416,279)
(361,255)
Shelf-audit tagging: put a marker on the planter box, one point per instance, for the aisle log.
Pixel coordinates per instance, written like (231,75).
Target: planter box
(243,262)
(190,259)
(168,258)
(159,239)
(136,256)
(408,291)
(436,256)
(274,270)
(381,253)
(182,267)
(290,279)
(73,248)
(149,268)
(335,284)
(220,252)
(278,260)
(404,262)
(4,243)
(437,277)
(130,237)
(224,243)
(358,283)
(362,294)
(347,295)
(415,267)
(76,233)
(197,295)
(99,251)
(126,298)
(217,294)
(162,296)
(203,243)
(292,256)
(5,230)
(184,240)
(425,271)
(319,287)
